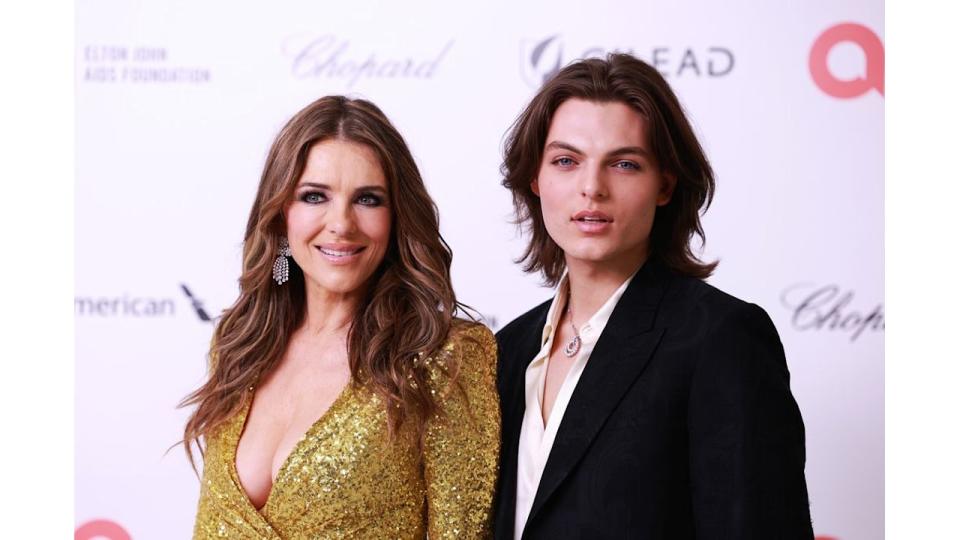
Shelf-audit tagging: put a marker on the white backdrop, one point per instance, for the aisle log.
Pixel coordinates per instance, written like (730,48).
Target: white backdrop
(177,103)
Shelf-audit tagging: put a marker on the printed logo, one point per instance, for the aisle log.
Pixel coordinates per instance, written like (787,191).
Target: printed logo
(101,529)
(542,59)
(105,64)
(331,57)
(123,306)
(829,308)
(867,41)
(196,303)
(126,305)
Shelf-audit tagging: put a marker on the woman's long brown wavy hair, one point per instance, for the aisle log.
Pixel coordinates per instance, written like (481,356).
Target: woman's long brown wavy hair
(410,304)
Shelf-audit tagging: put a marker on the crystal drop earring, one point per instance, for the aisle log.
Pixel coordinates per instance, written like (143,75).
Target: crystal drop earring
(281,266)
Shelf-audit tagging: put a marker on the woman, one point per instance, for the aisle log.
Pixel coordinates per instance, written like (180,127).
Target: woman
(345,400)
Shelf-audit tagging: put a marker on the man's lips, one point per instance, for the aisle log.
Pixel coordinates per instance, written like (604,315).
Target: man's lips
(591,216)
(592,221)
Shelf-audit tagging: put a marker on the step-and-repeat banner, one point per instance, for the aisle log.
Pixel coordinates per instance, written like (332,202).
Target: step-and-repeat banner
(178,101)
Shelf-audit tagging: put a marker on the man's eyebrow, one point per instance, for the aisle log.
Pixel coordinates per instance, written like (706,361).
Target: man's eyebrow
(563,146)
(629,150)
(560,145)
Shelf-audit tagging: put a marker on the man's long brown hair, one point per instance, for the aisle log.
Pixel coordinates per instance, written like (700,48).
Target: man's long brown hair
(410,304)
(618,78)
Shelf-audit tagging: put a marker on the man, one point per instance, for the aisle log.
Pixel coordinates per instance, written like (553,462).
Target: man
(640,402)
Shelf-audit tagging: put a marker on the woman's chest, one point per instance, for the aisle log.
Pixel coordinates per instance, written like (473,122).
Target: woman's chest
(345,462)
(281,414)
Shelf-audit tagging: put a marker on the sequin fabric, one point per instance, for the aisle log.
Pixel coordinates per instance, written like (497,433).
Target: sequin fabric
(346,479)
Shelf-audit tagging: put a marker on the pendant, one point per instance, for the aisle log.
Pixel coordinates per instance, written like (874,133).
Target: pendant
(573,347)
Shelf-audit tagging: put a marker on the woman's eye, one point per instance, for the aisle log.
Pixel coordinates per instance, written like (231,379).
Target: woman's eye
(564,162)
(369,199)
(313,197)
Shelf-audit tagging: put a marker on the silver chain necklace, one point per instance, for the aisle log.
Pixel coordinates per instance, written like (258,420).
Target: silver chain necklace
(573,347)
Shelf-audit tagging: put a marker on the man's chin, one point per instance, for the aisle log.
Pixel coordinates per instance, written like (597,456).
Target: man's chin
(591,257)
(607,257)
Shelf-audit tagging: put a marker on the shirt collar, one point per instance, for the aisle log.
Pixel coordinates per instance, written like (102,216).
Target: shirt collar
(553,315)
(595,325)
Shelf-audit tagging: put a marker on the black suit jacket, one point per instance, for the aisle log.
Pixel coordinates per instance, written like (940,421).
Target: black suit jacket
(682,425)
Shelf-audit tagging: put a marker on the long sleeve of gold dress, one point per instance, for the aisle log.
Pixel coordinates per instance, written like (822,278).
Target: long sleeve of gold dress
(346,479)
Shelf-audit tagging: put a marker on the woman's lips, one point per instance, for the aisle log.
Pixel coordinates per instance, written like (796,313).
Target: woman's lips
(340,253)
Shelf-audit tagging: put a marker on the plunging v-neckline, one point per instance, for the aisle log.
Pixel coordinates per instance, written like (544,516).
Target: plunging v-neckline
(235,445)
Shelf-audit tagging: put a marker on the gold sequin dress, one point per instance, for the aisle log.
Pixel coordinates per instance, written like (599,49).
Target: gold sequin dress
(345,479)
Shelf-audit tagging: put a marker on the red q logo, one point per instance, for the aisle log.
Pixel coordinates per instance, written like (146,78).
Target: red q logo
(100,529)
(872,48)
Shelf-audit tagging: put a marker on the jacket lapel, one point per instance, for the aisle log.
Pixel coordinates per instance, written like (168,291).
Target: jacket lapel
(623,350)
(517,355)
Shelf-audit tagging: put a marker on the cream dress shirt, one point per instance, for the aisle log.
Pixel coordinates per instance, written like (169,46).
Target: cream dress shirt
(536,439)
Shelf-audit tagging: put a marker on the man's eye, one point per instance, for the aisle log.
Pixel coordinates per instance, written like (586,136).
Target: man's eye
(564,162)
(629,165)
